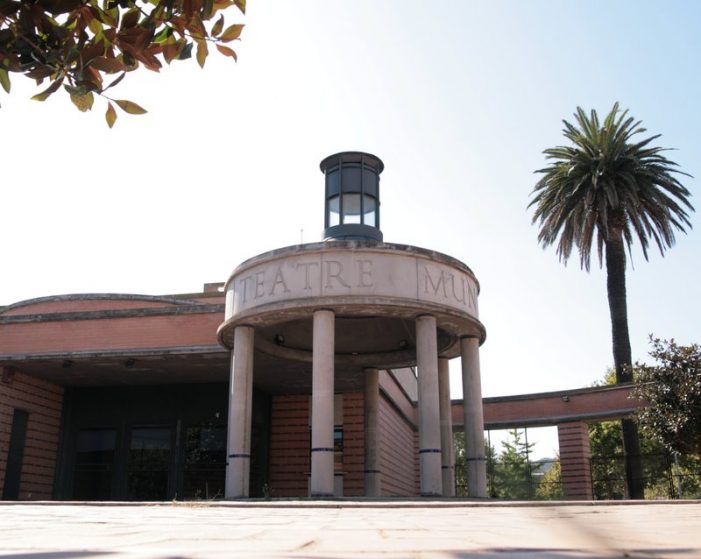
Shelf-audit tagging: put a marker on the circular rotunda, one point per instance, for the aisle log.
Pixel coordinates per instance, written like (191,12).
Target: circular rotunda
(347,307)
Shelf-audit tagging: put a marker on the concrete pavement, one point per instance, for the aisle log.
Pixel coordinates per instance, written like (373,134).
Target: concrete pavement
(351,529)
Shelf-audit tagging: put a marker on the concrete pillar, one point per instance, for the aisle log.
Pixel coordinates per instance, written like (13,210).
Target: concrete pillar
(372,447)
(238,464)
(429,418)
(447,450)
(322,482)
(575,460)
(474,418)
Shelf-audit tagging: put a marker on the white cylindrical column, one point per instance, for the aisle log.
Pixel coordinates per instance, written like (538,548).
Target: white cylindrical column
(238,464)
(372,449)
(429,418)
(447,450)
(474,418)
(322,404)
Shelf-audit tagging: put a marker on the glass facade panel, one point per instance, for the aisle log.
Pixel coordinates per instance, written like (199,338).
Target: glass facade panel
(205,462)
(149,464)
(351,208)
(334,211)
(369,211)
(94,464)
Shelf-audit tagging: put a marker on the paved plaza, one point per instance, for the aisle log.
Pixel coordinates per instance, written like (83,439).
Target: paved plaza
(350,529)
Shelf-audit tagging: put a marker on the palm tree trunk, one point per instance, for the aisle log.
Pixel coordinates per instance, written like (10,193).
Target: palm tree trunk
(616,287)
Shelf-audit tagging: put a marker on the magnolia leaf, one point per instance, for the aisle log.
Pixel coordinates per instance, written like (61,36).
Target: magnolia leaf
(5,80)
(44,95)
(202,52)
(185,52)
(130,107)
(83,102)
(207,8)
(110,115)
(232,32)
(95,26)
(163,35)
(218,26)
(116,81)
(105,64)
(241,5)
(226,51)
(131,18)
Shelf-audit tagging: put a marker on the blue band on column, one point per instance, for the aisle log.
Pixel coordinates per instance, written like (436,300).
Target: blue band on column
(239,455)
(322,449)
(426,450)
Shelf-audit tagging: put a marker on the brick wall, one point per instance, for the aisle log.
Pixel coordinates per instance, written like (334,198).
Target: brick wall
(43,401)
(353,445)
(289,446)
(398,453)
(575,460)
(111,333)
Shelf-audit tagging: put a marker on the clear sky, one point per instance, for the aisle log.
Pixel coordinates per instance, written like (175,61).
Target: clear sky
(458,98)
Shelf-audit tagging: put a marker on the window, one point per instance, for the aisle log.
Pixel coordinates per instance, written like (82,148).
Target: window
(351,208)
(334,211)
(369,211)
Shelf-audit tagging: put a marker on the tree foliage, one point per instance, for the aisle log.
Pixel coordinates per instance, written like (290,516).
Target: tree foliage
(606,189)
(87,47)
(608,185)
(673,390)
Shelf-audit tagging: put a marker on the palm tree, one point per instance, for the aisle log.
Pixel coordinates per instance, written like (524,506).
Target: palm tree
(609,186)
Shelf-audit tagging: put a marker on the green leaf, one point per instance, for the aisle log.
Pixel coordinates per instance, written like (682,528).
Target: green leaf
(232,32)
(130,107)
(110,115)
(5,80)
(115,82)
(218,26)
(226,51)
(207,8)
(202,52)
(185,52)
(44,95)
(163,35)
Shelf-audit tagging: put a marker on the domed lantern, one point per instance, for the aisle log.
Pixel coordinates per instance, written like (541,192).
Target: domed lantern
(352,196)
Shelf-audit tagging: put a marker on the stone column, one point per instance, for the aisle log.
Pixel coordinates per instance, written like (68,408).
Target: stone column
(575,460)
(238,464)
(322,484)
(372,448)
(429,418)
(474,418)
(447,450)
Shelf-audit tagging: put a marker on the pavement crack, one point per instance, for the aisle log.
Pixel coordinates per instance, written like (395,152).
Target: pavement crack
(307,545)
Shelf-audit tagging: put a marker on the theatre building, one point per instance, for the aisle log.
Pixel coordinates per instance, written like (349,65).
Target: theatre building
(315,370)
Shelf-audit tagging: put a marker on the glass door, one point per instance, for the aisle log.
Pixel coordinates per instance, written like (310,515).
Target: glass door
(94,464)
(149,464)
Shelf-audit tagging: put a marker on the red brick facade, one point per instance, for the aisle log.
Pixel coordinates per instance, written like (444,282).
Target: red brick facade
(398,452)
(74,328)
(575,460)
(289,446)
(43,401)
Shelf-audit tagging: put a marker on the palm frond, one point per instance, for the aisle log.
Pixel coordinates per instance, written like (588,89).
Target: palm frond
(608,184)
